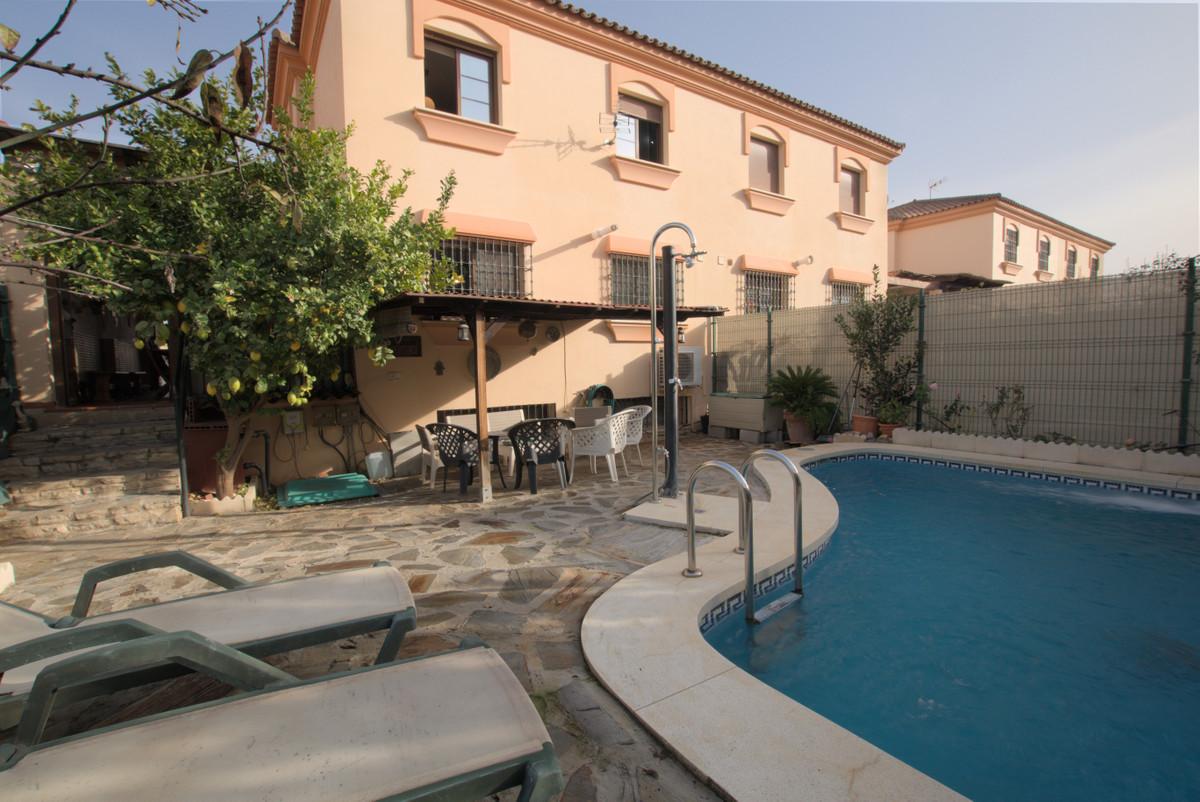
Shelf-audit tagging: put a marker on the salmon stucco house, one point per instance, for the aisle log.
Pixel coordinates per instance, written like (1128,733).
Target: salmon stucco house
(573,139)
(987,240)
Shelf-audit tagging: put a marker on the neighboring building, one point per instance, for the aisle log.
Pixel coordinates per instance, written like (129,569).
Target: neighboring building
(573,139)
(985,240)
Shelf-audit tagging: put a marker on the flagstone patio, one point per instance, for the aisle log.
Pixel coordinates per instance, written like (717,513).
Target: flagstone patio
(519,573)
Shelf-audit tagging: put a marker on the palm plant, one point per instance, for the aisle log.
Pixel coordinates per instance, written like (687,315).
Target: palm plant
(807,395)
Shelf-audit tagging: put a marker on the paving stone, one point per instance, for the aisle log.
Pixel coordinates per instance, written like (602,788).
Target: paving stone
(405,556)
(497,538)
(489,623)
(450,598)
(468,558)
(580,699)
(517,555)
(580,787)
(419,583)
(526,584)
(560,655)
(421,567)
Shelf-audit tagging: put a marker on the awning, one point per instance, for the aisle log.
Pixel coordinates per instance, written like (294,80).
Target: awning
(472,225)
(766,264)
(430,305)
(842,274)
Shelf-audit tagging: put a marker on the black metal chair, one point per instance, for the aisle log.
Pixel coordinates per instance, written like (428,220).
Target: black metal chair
(457,447)
(540,442)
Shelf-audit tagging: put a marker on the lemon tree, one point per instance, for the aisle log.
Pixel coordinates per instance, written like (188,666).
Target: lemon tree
(261,256)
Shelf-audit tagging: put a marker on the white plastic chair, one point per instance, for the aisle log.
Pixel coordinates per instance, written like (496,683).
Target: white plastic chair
(637,424)
(429,457)
(605,439)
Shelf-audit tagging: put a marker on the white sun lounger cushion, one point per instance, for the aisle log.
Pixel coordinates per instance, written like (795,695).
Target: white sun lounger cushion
(361,736)
(247,614)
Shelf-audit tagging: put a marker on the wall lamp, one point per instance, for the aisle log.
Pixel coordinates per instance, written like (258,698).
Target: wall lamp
(464,333)
(808,260)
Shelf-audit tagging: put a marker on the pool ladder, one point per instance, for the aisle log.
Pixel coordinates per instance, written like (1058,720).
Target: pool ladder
(746,528)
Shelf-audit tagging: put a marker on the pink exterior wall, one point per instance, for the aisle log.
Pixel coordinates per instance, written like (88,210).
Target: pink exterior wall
(556,176)
(30,325)
(963,245)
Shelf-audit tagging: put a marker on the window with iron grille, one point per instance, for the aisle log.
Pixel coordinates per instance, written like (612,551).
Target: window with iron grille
(490,266)
(1044,254)
(1071,263)
(1012,237)
(629,280)
(1095,267)
(762,291)
(843,292)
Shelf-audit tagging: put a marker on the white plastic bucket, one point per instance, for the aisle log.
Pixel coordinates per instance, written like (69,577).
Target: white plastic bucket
(379,466)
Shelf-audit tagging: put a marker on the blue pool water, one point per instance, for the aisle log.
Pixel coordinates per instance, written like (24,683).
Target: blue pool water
(1014,639)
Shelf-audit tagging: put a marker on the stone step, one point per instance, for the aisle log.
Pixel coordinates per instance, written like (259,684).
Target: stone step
(65,462)
(93,416)
(58,492)
(84,436)
(70,439)
(93,516)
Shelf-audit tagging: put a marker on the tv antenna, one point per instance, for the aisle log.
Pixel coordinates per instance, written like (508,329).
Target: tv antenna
(935,184)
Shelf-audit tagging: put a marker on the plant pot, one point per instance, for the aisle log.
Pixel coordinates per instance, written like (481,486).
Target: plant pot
(863,424)
(799,430)
(886,429)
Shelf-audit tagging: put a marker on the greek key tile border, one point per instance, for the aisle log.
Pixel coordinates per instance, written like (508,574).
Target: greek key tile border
(723,609)
(1019,473)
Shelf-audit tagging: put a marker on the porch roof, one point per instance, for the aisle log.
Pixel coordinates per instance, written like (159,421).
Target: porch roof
(437,304)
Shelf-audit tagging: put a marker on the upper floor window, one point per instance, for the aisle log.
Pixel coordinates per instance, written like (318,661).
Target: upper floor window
(460,80)
(763,291)
(1044,254)
(639,129)
(629,280)
(844,292)
(490,266)
(850,191)
(1012,238)
(764,165)
(1071,256)
(1095,267)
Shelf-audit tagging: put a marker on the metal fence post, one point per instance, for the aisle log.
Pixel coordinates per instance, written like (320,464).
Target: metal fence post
(920,358)
(770,347)
(1189,334)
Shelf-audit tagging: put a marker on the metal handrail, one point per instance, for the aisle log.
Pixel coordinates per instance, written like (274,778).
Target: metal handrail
(797,507)
(745,525)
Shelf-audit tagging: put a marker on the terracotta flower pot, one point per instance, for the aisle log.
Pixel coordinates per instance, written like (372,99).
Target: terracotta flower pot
(863,424)
(798,429)
(886,429)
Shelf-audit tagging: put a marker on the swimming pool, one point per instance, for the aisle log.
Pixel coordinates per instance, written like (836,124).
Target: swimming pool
(1012,638)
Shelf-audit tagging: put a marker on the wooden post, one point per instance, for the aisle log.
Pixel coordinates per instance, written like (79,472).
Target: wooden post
(481,416)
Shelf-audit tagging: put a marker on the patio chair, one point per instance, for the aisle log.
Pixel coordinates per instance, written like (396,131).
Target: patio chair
(429,457)
(259,618)
(455,725)
(457,447)
(541,442)
(637,424)
(605,439)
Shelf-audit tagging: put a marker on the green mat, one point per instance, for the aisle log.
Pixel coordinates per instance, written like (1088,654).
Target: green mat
(341,487)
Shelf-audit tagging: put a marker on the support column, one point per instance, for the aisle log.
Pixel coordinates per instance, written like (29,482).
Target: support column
(670,487)
(481,404)
(919,422)
(1189,335)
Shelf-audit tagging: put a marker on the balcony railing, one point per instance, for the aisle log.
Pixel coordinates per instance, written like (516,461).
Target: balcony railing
(490,266)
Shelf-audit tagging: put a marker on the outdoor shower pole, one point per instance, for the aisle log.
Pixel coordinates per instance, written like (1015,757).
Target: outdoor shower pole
(654,348)
(670,487)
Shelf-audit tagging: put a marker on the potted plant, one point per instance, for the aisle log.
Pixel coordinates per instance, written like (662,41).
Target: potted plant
(808,398)
(875,326)
(892,415)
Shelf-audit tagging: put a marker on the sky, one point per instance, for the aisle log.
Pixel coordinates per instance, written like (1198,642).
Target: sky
(1089,112)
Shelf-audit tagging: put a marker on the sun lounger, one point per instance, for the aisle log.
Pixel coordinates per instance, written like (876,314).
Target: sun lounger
(259,619)
(453,726)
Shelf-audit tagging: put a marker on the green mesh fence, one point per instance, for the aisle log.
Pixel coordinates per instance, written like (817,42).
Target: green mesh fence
(1097,361)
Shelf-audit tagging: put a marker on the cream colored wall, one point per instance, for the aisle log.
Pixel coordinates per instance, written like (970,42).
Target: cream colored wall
(556,176)
(329,102)
(956,246)
(975,245)
(1027,254)
(30,329)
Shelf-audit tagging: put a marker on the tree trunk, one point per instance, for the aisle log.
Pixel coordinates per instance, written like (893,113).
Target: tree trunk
(229,458)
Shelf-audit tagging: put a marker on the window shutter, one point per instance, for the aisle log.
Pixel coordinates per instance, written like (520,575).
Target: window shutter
(642,109)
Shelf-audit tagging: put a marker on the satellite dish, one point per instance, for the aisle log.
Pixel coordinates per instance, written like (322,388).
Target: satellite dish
(493,363)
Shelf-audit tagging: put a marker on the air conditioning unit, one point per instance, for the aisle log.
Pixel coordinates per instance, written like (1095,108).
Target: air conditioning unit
(690,366)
